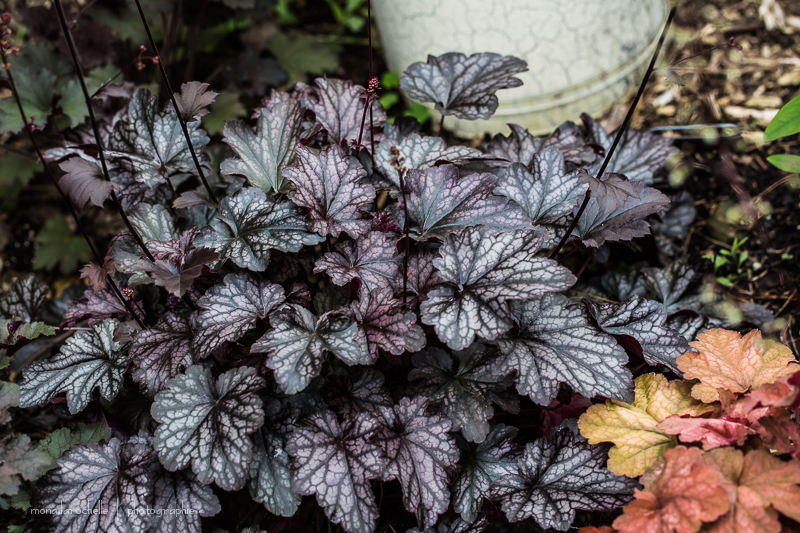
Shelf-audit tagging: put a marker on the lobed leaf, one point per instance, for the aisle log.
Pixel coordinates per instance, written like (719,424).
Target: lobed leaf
(297,342)
(558,477)
(329,184)
(339,108)
(250,224)
(335,462)
(160,353)
(207,423)
(555,343)
(84,181)
(483,271)
(460,85)
(193,100)
(88,360)
(384,323)
(372,259)
(24,299)
(229,310)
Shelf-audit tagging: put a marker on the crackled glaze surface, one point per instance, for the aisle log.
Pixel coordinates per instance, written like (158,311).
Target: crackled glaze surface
(583,55)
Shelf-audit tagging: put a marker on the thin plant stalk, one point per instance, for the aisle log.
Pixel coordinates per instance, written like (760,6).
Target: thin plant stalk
(61,192)
(441,126)
(185,129)
(620,133)
(95,128)
(369,38)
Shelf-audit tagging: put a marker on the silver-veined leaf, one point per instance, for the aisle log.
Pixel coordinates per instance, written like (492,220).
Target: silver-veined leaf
(20,460)
(439,202)
(297,342)
(480,465)
(250,224)
(639,325)
(207,423)
(335,462)
(329,184)
(422,455)
(100,488)
(384,323)
(151,144)
(416,152)
(182,500)
(359,391)
(558,477)
(96,306)
(372,259)
(339,107)
(23,299)
(555,343)
(270,472)
(547,192)
(153,222)
(421,277)
(263,154)
(464,386)
(160,353)
(88,360)
(638,157)
(460,85)
(483,271)
(227,311)
(670,285)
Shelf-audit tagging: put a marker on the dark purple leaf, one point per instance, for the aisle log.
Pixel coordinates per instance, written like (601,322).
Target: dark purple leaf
(23,299)
(95,307)
(177,262)
(97,276)
(556,343)
(611,191)
(439,202)
(463,386)
(384,323)
(328,183)
(264,154)
(160,353)
(690,324)
(84,181)
(372,259)
(330,298)
(422,276)
(416,152)
(191,199)
(485,270)
(422,455)
(460,85)
(297,342)
(480,465)
(335,462)
(558,477)
(677,218)
(285,266)
(113,482)
(87,360)
(250,224)
(359,393)
(669,285)
(207,423)
(622,222)
(638,157)
(227,311)
(193,100)
(151,144)
(520,146)
(339,106)
(639,326)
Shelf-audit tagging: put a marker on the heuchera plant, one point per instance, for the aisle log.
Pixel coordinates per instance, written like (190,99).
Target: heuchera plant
(323,318)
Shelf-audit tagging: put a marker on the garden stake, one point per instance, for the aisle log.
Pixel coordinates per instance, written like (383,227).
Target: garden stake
(625,124)
(211,195)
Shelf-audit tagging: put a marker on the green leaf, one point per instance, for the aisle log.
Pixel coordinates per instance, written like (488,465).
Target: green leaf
(419,112)
(59,441)
(786,162)
(20,460)
(4,360)
(71,101)
(390,80)
(303,54)
(21,500)
(227,107)
(786,122)
(59,246)
(17,172)
(36,94)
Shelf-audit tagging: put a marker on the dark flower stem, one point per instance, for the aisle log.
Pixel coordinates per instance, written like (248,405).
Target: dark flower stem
(400,174)
(369,39)
(620,133)
(61,192)
(175,105)
(441,126)
(95,128)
